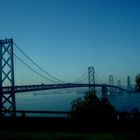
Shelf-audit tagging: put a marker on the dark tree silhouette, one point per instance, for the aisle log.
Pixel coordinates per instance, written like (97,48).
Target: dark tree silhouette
(137,83)
(91,108)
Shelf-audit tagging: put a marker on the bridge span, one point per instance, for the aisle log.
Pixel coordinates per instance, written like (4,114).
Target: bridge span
(29,88)
(10,79)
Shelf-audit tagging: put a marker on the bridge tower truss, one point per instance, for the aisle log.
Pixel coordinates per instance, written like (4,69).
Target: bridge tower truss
(91,79)
(128,83)
(119,83)
(111,82)
(7,101)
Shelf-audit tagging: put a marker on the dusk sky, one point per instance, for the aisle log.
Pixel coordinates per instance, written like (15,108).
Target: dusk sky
(65,37)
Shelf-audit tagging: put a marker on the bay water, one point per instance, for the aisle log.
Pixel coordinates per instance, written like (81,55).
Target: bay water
(60,100)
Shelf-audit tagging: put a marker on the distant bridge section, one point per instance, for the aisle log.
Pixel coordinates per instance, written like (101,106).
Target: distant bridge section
(28,88)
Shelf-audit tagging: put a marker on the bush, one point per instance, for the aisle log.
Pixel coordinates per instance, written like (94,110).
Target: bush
(92,108)
(137,83)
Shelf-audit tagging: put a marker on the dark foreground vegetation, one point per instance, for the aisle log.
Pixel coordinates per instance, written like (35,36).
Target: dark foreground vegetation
(66,124)
(65,128)
(22,135)
(91,109)
(137,79)
(90,118)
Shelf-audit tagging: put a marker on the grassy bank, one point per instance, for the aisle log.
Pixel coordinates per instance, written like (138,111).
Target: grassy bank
(66,135)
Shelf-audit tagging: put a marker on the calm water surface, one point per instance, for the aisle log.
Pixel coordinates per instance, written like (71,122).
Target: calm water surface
(58,100)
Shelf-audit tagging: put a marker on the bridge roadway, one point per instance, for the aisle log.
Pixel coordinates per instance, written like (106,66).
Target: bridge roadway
(28,88)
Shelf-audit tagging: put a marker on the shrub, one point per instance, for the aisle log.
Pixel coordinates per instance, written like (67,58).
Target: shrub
(137,83)
(91,108)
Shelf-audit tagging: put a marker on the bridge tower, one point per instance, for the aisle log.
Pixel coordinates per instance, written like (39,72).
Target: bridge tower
(91,79)
(111,82)
(104,91)
(7,101)
(119,83)
(128,83)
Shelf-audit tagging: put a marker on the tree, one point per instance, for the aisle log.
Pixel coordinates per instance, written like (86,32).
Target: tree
(91,108)
(137,83)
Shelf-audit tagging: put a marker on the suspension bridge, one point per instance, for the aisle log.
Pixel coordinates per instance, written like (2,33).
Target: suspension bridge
(19,73)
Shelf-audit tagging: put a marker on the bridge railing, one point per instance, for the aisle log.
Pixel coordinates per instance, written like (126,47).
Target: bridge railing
(66,114)
(32,113)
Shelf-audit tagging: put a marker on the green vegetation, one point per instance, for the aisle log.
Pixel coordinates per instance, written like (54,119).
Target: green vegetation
(137,83)
(66,136)
(91,108)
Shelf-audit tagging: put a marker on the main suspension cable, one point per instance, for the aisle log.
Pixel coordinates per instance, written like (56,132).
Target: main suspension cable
(34,70)
(37,64)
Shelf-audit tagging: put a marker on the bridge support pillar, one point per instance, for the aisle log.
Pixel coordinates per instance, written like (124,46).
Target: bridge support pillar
(91,79)
(104,91)
(7,101)
(111,82)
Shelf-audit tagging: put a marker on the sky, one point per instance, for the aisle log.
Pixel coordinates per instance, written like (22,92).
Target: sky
(65,37)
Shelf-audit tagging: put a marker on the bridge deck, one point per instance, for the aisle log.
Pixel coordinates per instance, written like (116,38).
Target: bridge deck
(28,88)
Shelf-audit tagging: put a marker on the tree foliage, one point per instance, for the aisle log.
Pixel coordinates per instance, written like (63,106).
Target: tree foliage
(137,83)
(91,108)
